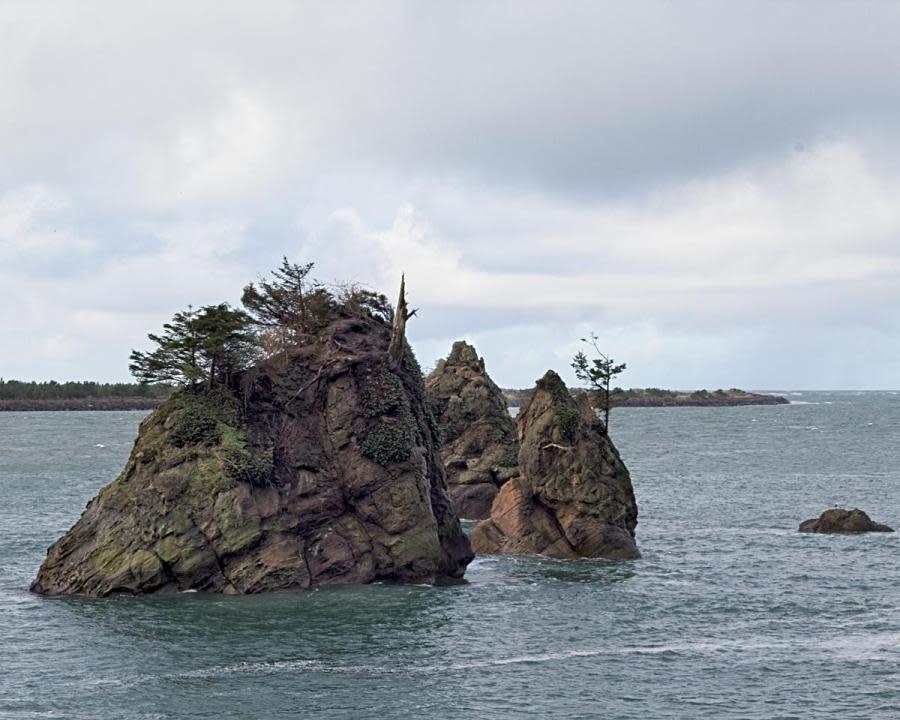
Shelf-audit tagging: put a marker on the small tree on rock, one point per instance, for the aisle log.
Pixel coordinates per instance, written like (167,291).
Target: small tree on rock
(289,305)
(597,373)
(207,345)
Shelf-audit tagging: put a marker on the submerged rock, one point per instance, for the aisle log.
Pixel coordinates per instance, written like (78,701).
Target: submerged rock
(319,467)
(479,447)
(839,520)
(574,496)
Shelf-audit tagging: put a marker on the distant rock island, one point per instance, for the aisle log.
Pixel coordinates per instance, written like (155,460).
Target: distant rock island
(841,520)
(656,397)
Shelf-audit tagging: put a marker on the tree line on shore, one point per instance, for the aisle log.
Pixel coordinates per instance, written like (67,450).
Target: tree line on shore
(78,390)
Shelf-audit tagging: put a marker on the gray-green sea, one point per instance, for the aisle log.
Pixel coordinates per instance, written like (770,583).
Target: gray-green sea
(730,613)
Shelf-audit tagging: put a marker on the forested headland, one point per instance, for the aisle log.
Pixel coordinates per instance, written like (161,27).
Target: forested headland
(80,395)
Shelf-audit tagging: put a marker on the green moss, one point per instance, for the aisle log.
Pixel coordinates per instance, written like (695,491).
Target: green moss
(200,414)
(382,393)
(568,419)
(195,427)
(111,560)
(390,441)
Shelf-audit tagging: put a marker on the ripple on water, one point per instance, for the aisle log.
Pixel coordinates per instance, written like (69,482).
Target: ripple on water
(730,612)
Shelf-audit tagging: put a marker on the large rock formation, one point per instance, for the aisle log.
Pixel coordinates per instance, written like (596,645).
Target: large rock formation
(573,497)
(839,520)
(479,437)
(319,467)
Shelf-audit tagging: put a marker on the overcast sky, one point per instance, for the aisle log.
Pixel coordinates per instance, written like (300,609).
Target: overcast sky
(713,188)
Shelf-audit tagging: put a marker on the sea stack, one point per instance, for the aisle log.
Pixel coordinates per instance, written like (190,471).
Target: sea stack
(573,497)
(839,520)
(316,467)
(479,448)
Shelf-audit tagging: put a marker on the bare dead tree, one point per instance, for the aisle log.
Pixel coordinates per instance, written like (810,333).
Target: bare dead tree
(398,333)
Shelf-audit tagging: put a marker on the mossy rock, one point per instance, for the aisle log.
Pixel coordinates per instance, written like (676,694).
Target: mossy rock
(389,441)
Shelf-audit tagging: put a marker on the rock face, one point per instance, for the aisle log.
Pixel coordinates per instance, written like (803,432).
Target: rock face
(479,449)
(839,520)
(317,468)
(573,497)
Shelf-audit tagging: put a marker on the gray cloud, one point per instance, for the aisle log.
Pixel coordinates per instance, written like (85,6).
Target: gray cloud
(712,186)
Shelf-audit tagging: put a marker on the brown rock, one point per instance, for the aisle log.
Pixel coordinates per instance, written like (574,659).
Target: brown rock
(314,469)
(574,497)
(479,447)
(839,520)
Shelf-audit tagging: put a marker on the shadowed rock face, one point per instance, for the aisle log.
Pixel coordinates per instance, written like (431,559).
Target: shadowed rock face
(839,520)
(574,496)
(320,468)
(479,448)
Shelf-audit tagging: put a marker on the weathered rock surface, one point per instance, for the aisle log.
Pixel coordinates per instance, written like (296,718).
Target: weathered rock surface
(574,496)
(319,468)
(479,447)
(839,520)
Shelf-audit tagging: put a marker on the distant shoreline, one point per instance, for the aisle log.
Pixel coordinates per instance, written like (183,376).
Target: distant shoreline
(77,404)
(656,397)
(514,398)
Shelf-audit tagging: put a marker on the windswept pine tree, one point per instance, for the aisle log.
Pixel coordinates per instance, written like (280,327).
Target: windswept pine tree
(597,374)
(198,346)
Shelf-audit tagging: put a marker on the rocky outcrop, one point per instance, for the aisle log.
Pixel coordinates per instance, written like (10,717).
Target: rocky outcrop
(839,520)
(479,448)
(573,497)
(317,467)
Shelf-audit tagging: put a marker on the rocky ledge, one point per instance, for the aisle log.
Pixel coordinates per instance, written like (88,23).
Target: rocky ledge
(318,466)
(839,520)
(479,448)
(573,497)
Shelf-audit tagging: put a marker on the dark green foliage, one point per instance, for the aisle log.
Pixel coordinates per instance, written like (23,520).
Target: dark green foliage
(510,457)
(200,415)
(382,393)
(384,396)
(567,415)
(249,465)
(289,305)
(390,441)
(362,302)
(597,374)
(196,426)
(568,419)
(53,390)
(209,345)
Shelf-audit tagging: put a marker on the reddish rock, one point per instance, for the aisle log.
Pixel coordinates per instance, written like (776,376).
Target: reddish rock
(479,448)
(839,520)
(574,497)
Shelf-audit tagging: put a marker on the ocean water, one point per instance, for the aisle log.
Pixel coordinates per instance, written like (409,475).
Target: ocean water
(730,613)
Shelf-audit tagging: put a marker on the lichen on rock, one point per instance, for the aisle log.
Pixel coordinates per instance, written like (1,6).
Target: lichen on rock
(573,497)
(316,467)
(479,447)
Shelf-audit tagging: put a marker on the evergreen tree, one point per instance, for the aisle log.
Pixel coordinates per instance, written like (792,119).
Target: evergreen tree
(289,305)
(207,345)
(597,374)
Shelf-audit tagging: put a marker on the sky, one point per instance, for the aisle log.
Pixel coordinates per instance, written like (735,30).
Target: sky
(712,188)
